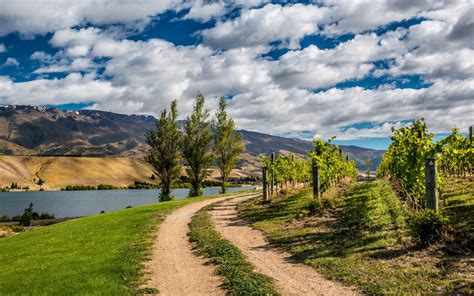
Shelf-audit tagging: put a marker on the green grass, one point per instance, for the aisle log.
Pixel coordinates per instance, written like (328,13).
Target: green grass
(100,254)
(238,274)
(458,203)
(363,241)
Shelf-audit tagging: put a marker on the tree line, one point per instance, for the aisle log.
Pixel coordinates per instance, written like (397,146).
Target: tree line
(203,141)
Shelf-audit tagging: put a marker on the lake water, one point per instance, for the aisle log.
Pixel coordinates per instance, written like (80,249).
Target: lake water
(83,203)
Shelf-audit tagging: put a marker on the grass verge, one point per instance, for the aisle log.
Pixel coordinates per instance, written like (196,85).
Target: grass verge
(363,240)
(238,274)
(100,254)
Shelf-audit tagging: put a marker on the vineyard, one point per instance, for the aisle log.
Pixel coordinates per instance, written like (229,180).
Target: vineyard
(382,235)
(405,159)
(289,172)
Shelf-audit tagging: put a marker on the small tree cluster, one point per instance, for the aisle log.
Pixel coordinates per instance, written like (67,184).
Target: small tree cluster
(169,148)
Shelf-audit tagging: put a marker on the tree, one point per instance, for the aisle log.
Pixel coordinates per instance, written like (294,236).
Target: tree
(368,164)
(27,216)
(227,144)
(196,145)
(164,153)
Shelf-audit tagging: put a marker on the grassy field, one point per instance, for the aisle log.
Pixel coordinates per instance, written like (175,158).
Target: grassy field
(238,274)
(362,239)
(100,254)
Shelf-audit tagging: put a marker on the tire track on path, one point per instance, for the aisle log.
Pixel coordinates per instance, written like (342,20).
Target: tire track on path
(291,278)
(175,269)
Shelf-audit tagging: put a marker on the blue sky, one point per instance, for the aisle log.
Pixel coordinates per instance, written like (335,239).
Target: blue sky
(289,68)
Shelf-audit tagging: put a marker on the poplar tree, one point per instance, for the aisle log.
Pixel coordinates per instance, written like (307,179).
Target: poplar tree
(227,143)
(196,145)
(164,153)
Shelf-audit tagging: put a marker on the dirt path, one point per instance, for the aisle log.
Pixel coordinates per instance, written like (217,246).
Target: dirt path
(175,270)
(291,278)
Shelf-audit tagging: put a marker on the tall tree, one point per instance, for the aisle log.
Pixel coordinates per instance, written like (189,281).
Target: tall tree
(196,145)
(165,150)
(368,164)
(227,144)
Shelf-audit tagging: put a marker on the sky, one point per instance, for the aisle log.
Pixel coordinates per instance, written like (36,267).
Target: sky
(350,69)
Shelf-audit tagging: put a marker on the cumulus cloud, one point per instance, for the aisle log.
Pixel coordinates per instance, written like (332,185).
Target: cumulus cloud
(260,26)
(292,93)
(11,62)
(2,48)
(205,11)
(39,17)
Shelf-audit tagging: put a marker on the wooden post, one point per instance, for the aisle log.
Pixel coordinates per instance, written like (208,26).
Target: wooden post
(430,184)
(272,177)
(264,184)
(470,134)
(347,157)
(316,184)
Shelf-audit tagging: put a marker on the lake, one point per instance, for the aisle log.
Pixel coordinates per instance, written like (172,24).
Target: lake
(83,203)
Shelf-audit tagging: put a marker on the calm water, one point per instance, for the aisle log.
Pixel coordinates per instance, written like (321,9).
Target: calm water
(83,203)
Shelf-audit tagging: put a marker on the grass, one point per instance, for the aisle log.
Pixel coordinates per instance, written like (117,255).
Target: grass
(458,204)
(238,274)
(363,240)
(100,254)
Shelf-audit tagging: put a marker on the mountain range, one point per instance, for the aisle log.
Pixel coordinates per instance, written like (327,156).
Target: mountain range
(31,130)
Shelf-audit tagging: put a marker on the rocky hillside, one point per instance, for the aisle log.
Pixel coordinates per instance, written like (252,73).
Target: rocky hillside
(26,130)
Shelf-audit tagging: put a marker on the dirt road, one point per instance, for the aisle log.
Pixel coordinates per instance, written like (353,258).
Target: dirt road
(175,270)
(291,278)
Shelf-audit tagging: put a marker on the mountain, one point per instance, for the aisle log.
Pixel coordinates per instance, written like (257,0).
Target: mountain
(29,130)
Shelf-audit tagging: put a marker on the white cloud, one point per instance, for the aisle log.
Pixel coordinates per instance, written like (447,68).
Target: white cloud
(11,62)
(269,95)
(261,26)
(205,11)
(38,17)
(361,15)
(2,48)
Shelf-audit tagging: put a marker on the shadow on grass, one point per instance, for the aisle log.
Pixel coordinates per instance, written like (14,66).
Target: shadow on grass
(354,227)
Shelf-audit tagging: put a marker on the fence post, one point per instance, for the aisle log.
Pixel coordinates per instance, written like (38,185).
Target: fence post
(316,184)
(264,184)
(470,134)
(272,177)
(430,184)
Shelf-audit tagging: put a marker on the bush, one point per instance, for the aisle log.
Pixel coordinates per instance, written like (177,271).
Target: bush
(27,216)
(428,226)
(314,207)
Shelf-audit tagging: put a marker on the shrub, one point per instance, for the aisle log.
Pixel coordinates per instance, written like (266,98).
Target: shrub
(314,207)
(428,226)
(27,216)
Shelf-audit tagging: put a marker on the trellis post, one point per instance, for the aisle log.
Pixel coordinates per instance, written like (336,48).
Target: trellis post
(430,184)
(316,180)
(272,177)
(264,184)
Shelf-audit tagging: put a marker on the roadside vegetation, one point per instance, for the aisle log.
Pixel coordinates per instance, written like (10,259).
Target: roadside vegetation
(100,254)
(362,236)
(239,275)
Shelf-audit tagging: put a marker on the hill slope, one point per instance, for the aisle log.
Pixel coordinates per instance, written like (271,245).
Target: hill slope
(26,130)
(59,172)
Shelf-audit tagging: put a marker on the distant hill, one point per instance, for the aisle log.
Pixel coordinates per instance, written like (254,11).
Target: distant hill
(27,130)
